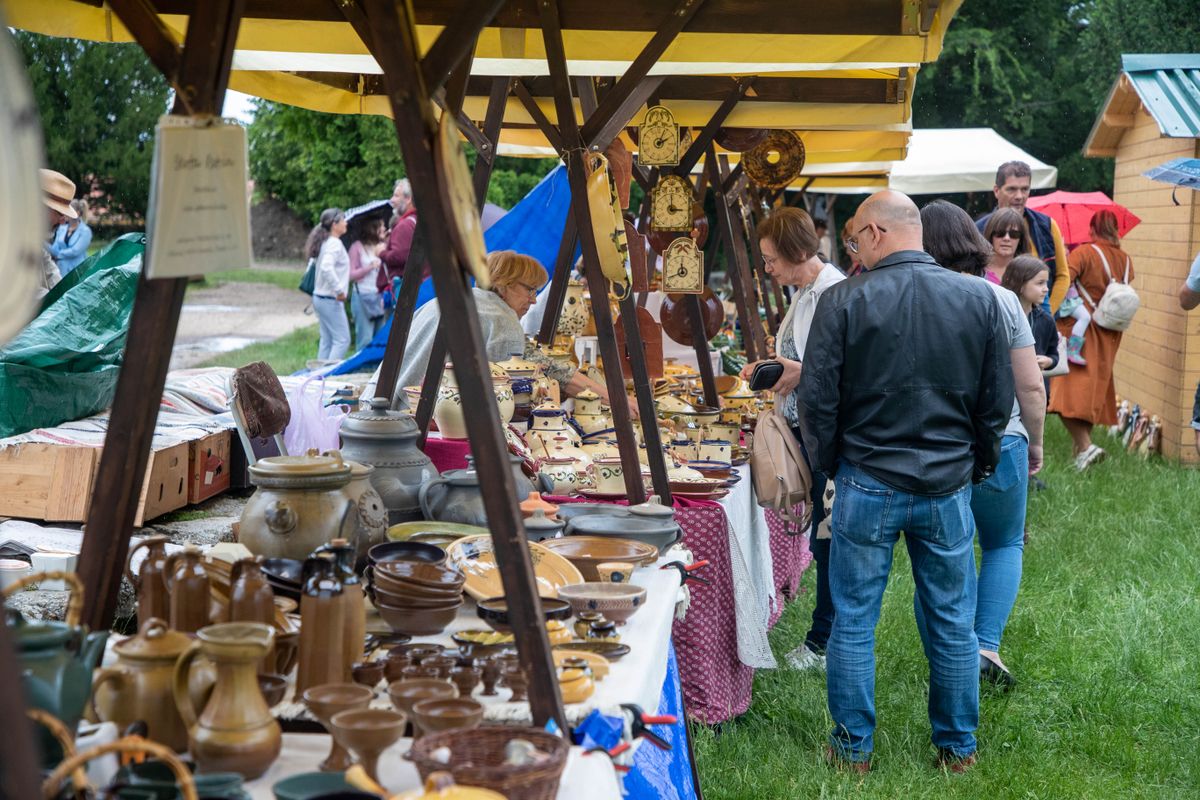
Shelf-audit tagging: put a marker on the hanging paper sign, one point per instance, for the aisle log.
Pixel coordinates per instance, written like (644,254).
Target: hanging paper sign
(199,218)
(683,267)
(658,139)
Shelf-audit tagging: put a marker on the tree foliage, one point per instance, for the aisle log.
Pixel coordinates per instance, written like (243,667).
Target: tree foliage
(313,161)
(1039,71)
(98,104)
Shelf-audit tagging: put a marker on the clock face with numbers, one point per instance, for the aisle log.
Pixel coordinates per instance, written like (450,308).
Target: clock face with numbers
(683,267)
(671,209)
(658,139)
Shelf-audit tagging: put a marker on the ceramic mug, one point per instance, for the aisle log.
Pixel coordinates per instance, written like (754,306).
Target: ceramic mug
(715,450)
(728,431)
(615,571)
(610,476)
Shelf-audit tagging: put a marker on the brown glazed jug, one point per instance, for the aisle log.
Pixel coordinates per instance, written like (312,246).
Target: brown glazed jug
(322,623)
(251,598)
(355,626)
(235,731)
(187,583)
(150,580)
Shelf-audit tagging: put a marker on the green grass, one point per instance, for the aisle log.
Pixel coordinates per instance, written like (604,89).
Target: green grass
(283,278)
(1104,640)
(286,354)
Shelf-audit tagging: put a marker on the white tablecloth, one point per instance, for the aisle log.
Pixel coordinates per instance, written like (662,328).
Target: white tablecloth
(750,560)
(584,776)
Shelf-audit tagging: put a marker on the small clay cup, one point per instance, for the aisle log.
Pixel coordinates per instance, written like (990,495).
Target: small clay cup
(443,665)
(515,679)
(324,702)
(273,688)
(490,672)
(466,679)
(367,673)
(419,652)
(393,666)
(407,693)
(450,714)
(367,732)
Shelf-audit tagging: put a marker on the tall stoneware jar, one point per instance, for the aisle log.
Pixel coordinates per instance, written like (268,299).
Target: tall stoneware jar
(299,505)
(322,625)
(387,440)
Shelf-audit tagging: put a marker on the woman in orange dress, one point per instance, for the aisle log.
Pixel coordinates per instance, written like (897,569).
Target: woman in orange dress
(1085,396)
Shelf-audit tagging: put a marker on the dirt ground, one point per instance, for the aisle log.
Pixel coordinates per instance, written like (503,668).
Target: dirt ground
(234,315)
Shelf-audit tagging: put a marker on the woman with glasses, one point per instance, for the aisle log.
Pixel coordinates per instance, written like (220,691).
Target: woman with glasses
(515,280)
(332,284)
(1005,232)
(789,243)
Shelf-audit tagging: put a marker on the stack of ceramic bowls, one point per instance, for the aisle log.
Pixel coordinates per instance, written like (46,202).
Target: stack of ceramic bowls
(416,593)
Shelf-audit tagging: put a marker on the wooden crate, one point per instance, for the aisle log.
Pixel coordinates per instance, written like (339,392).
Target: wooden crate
(54,482)
(208,466)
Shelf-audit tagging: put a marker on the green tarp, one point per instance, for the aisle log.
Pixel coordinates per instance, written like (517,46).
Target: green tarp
(63,366)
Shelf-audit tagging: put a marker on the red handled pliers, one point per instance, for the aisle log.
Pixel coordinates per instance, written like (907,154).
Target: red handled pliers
(685,571)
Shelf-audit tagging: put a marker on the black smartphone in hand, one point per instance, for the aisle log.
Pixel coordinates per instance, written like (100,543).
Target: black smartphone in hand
(766,374)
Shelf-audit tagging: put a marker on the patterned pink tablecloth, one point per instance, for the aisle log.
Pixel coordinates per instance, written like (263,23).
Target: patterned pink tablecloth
(716,684)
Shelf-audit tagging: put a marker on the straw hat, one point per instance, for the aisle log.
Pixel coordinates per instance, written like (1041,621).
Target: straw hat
(57,192)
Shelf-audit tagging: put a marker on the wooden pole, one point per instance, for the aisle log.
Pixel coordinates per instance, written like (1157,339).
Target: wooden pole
(735,266)
(203,75)
(395,48)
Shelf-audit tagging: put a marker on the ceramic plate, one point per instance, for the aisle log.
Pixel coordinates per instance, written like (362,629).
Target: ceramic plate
(438,533)
(613,651)
(474,556)
(597,662)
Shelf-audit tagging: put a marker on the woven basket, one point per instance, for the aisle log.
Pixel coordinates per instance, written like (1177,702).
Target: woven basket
(477,758)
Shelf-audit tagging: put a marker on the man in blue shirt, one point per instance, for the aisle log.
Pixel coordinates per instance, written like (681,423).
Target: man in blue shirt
(71,239)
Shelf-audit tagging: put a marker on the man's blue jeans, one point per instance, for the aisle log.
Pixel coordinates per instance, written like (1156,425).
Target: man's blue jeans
(998,506)
(868,517)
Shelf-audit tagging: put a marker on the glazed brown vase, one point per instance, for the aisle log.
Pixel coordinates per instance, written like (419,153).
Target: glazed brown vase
(251,598)
(235,731)
(150,580)
(354,632)
(188,585)
(322,623)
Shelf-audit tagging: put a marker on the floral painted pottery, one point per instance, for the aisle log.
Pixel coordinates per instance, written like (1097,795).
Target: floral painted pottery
(715,450)
(562,474)
(235,731)
(575,311)
(387,440)
(588,403)
(505,399)
(610,475)
(448,409)
(299,505)
(474,555)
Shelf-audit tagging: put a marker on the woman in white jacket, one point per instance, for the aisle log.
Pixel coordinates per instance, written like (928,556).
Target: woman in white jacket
(332,283)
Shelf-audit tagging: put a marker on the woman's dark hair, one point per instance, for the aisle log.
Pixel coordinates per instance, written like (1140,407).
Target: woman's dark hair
(950,236)
(791,231)
(1104,227)
(320,231)
(366,229)
(1007,219)
(1021,270)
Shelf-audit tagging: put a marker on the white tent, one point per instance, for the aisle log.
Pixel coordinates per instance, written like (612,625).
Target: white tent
(961,160)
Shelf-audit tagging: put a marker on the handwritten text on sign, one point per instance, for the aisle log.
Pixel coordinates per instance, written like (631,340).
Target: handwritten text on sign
(200,212)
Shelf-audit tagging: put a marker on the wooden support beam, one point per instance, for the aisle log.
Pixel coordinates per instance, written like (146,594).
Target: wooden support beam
(455,43)
(434,369)
(705,138)
(156,39)
(753,271)
(541,120)
(729,184)
(563,263)
(416,129)
(574,154)
(703,357)
(753,337)
(204,74)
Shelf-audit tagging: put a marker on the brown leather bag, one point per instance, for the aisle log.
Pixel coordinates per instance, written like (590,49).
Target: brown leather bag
(264,405)
(781,476)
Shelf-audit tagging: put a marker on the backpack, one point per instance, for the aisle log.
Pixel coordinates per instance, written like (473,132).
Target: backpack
(781,476)
(1120,302)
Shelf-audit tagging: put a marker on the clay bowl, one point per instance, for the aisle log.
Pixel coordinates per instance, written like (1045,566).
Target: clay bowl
(478,650)
(450,714)
(419,621)
(405,694)
(494,611)
(587,553)
(273,688)
(436,576)
(616,601)
(406,551)
(449,584)
(409,601)
(712,470)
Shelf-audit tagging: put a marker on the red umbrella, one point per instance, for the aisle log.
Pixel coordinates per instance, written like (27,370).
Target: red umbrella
(1073,212)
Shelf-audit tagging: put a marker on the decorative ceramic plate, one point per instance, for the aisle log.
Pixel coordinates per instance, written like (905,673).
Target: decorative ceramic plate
(475,557)
(597,662)
(613,651)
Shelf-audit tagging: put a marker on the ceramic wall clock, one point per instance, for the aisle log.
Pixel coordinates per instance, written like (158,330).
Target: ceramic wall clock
(658,139)
(683,267)
(776,161)
(671,209)
(458,200)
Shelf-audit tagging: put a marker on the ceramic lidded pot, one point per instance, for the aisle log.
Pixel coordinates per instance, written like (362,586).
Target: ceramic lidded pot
(139,686)
(540,527)
(387,441)
(455,495)
(588,404)
(562,474)
(610,475)
(299,505)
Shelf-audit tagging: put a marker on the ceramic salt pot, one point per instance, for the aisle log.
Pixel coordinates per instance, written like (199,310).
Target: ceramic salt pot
(387,441)
(150,580)
(539,527)
(299,505)
(503,390)
(188,585)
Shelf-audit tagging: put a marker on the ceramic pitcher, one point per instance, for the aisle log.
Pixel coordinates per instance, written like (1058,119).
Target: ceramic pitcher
(235,731)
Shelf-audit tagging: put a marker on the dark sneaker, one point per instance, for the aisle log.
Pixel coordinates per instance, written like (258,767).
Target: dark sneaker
(957,764)
(842,764)
(993,673)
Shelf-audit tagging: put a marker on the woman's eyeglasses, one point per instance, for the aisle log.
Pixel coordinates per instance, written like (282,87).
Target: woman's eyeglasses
(1011,233)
